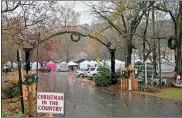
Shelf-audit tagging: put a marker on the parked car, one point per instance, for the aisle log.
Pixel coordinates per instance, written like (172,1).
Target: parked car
(82,72)
(7,69)
(92,72)
(44,69)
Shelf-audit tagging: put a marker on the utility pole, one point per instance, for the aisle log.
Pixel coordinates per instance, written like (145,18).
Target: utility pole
(154,43)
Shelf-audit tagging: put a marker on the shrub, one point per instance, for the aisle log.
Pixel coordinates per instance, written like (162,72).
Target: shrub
(11,91)
(103,78)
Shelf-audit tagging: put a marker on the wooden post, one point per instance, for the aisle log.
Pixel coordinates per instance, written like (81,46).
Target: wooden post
(49,115)
(121,83)
(30,97)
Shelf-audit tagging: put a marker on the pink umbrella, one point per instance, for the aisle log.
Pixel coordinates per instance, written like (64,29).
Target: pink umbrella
(52,65)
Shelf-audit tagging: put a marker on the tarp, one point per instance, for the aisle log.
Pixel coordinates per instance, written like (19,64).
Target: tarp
(84,65)
(72,64)
(34,66)
(52,65)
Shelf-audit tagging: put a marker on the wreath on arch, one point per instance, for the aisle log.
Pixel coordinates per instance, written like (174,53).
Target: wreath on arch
(75,40)
(172,42)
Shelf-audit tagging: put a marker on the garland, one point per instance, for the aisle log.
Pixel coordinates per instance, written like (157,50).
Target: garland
(77,38)
(172,42)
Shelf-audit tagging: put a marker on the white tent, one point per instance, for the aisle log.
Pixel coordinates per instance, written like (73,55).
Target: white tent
(72,64)
(8,63)
(138,60)
(34,66)
(84,65)
(15,65)
(119,64)
(63,66)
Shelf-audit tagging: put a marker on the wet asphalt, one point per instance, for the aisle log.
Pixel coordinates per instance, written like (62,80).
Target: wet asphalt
(83,100)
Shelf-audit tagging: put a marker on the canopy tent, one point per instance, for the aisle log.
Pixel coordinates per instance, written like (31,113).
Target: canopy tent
(118,64)
(63,66)
(72,64)
(8,64)
(52,65)
(84,65)
(15,65)
(34,66)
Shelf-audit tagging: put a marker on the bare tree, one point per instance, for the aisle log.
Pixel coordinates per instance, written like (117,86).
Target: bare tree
(124,17)
(64,16)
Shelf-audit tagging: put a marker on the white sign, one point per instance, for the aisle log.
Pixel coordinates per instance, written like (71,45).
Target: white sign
(50,102)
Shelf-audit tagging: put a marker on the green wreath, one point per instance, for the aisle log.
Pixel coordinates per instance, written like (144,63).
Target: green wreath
(172,43)
(126,74)
(79,36)
(33,79)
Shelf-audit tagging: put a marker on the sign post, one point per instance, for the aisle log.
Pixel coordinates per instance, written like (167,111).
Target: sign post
(50,103)
(98,60)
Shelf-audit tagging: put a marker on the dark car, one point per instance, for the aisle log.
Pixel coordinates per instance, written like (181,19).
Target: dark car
(44,69)
(7,69)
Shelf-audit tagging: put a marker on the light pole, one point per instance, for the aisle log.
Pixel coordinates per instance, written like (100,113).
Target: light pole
(27,48)
(159,51)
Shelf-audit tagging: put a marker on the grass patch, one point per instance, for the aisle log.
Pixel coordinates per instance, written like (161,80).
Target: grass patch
(169,93)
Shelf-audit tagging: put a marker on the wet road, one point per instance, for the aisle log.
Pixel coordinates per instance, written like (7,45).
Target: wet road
(83,100)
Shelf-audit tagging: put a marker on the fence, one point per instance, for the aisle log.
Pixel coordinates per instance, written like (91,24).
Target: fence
(26,88)
(130,83)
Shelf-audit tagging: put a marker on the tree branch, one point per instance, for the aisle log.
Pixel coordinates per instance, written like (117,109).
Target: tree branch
(106,18)
(105,29)
(12,9)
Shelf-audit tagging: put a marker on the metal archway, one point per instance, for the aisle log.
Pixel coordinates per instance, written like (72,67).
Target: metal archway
(81,32)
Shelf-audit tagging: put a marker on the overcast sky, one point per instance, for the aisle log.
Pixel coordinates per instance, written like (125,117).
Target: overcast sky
(86,18)
(83,10)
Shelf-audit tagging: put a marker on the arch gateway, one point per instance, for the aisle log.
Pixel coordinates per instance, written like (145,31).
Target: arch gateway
(79,32)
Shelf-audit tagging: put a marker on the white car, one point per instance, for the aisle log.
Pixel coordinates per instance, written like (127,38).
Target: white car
(82,72)
(92,72)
